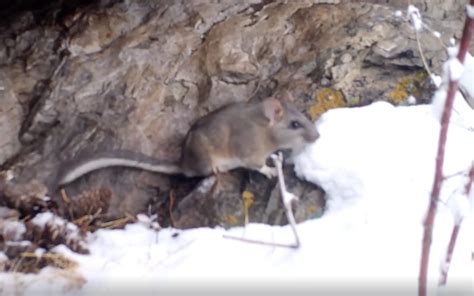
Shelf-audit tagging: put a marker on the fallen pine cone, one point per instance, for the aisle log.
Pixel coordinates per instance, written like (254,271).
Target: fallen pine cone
(90,202)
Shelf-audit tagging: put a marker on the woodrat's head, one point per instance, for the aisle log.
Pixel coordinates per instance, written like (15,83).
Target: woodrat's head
(290,128)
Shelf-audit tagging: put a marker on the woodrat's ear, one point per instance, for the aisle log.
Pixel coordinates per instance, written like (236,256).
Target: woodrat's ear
(285,96)
(273,110)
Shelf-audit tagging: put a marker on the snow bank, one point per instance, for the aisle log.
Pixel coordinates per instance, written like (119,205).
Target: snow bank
(376,164)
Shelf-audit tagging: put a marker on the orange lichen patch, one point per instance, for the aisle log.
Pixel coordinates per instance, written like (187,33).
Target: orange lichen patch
(314,212)
(312,209)
(326,98)
(248,199)
(231,220)
(406,86)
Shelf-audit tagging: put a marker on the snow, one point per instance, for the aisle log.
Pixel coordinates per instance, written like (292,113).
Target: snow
(39,252)
(376,164)
(415,16)
(453,50)
(43,219)
(456,69)
(13,230)
(411,100)
(48,218)
(467,79)
(463,113)
(3,257)
(21,243)
(436,79)
(470,11)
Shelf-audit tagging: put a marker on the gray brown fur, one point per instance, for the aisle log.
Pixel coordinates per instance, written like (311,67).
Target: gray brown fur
(237,135)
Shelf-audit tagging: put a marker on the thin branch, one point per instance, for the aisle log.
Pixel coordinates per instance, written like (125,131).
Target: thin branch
(454,234)
(469,99)
(449,254)
(435,34)
(467,96)
(470,181)
(287,199)
(435,192)
(259,242)
(422,55)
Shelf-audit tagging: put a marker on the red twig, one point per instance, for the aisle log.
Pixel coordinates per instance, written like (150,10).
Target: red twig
(449,254)
(468,188)
(454,233)
(438,179)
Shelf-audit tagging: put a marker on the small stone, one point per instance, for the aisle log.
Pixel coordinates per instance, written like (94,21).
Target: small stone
(386,48)
(346,58)
(325,82)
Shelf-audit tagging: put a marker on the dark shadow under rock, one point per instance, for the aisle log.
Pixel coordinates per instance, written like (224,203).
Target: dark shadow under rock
(219,201)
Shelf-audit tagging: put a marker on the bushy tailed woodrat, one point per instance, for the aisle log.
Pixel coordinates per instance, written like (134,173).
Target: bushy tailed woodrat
(241,134)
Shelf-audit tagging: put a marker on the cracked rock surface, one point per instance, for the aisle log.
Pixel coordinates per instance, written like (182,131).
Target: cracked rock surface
(136,74)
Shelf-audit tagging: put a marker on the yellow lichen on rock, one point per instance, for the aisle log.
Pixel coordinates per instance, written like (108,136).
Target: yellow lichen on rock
(248,199)
(406,86)
(325,99)
(231,220)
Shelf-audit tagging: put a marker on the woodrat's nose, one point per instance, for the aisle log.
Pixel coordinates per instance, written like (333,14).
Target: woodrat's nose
(312,136)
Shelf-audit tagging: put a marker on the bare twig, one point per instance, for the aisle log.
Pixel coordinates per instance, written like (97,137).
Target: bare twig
(422,55)
(116,223)
(469,99)
(259,242)
(287,199)
(65,197)
(467,96)
(449,254)
(435,192)
(436,34)
(470,181)
(454,234)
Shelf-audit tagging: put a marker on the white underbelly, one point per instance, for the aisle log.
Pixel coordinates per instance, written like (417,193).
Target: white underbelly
(227,164)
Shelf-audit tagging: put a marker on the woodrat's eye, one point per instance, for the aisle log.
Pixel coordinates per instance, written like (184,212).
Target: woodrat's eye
(295,124)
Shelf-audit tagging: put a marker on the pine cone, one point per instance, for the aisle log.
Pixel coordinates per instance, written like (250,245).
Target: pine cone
(91,202)
(28,198)
(49,230)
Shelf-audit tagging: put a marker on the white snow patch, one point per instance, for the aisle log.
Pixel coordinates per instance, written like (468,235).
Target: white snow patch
(48,281)
(42,219)
(22,243)
(466,80)
(3,257)
(463,114)
(39,252)
(376,164)
(436,79)
(470,11)
(453,50)
(437,34)
(456,69)
(13,230)
(415,17)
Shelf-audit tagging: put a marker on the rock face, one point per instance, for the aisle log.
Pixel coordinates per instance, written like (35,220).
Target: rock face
(136,74)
